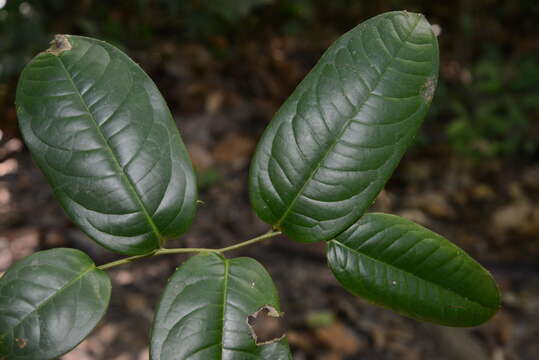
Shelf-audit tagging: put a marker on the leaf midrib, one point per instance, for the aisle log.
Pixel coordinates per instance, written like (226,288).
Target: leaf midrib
(341,132)
(127,181)
(55,294)
(225,295)
(340,244)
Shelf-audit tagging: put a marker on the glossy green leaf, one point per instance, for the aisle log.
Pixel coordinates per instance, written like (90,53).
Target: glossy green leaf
(101,132)
(204,310)
(396,263)
(336,141)
(49,302)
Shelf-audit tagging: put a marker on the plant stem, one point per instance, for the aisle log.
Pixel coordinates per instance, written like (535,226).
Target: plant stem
(164,251)
(222,250)
(124,261)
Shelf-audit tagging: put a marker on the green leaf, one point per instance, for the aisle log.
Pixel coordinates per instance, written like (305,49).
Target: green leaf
(398,264)
(49,302)
(101,132)
(204,310)
(335,142)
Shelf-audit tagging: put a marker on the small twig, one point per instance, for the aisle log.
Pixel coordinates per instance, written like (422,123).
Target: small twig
(164,251)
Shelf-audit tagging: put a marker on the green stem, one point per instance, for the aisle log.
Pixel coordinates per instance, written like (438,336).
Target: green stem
(164,251)
(124,261)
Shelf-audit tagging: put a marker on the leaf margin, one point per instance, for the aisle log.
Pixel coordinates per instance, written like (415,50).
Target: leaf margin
(402,307)
(101,282)
(61,46)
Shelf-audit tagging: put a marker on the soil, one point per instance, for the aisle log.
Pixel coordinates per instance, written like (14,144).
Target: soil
(491,211)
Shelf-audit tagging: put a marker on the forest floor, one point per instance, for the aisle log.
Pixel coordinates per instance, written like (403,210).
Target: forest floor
(491,211)
(489,208)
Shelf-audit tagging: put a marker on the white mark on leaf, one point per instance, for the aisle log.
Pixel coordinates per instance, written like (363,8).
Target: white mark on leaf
(427,90)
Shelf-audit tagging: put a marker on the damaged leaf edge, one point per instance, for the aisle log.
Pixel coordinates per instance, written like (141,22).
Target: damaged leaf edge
(429,88)
(272,312)
(59,44)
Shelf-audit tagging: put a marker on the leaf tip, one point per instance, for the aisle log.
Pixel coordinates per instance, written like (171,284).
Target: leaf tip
(59,44)
(412,15)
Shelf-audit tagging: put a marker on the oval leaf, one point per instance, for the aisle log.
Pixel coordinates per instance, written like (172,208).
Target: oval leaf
(210,309)
(396,263)
(101,132)
(335,142)
(49,302)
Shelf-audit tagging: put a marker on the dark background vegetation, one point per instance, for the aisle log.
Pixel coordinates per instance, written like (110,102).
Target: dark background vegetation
(224,67)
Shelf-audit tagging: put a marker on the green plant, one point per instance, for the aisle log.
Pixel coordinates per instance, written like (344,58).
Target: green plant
(493,117)
(102,134)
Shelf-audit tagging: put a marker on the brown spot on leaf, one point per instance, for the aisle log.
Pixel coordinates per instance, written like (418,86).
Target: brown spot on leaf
(59,44)
(21,343)
(428,89)
(266,325)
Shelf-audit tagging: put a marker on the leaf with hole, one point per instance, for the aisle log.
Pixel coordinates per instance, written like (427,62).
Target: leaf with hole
(398,264)
(213,308)
(101,132)
(49,302)
(335,142)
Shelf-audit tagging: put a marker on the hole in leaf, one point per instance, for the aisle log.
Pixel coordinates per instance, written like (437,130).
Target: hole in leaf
(266,325)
